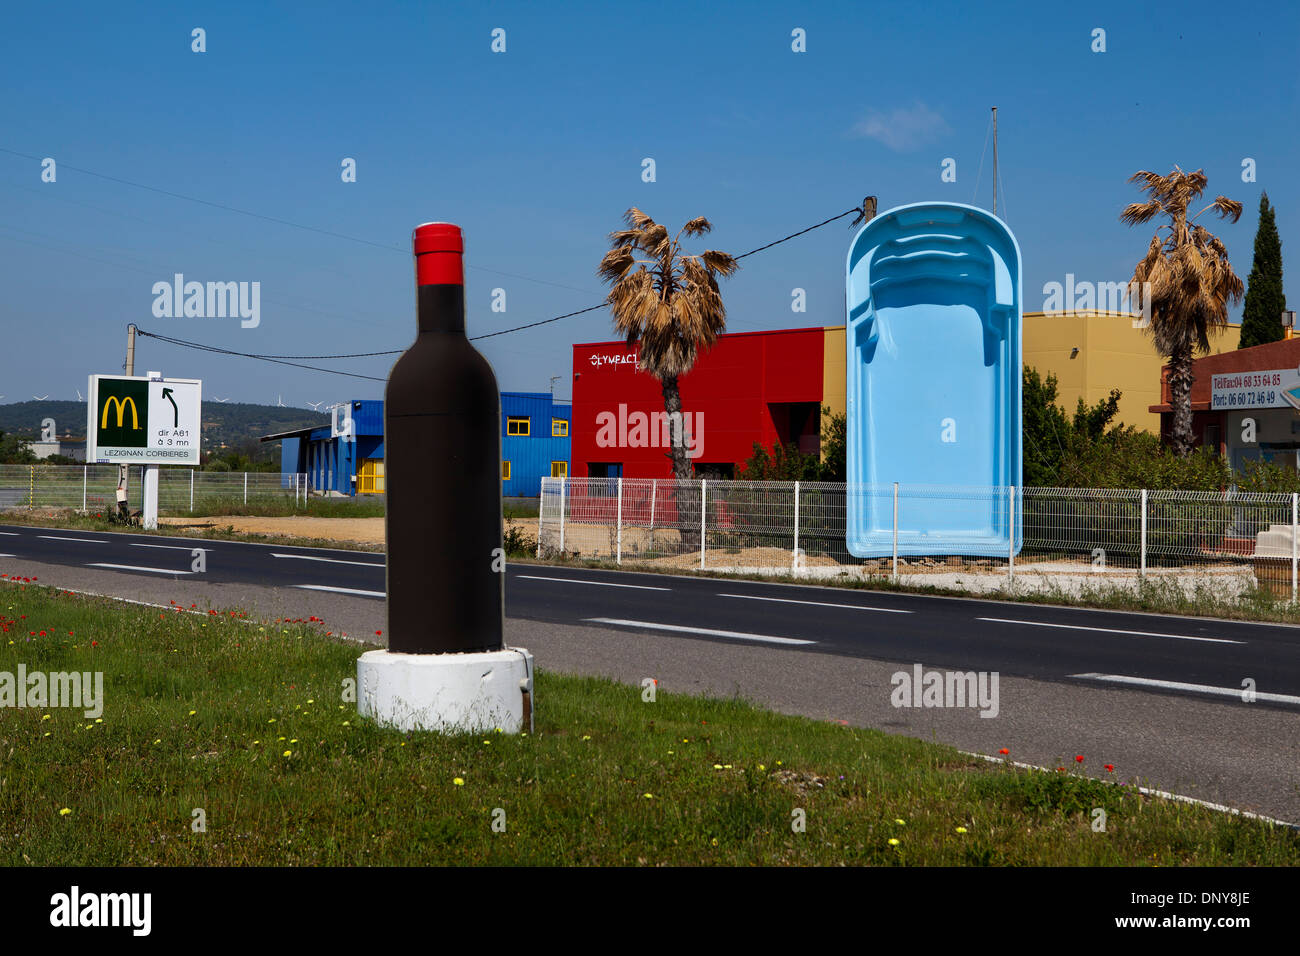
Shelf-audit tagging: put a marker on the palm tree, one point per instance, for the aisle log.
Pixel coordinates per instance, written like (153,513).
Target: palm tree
(1187,279)
(669,307)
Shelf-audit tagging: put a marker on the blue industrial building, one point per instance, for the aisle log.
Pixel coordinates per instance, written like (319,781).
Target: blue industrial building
(347,455)
(534,442)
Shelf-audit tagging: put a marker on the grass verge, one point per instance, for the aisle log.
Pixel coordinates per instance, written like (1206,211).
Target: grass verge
(362,506)
(229,742)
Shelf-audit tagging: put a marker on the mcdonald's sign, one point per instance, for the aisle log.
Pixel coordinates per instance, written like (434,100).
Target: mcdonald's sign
(120,403)
(121,412)
(135,419)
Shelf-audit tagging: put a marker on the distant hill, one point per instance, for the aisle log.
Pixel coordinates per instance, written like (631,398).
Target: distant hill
(230,423)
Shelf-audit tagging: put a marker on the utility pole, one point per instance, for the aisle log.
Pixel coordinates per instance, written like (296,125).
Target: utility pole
(122,472)
(995,160)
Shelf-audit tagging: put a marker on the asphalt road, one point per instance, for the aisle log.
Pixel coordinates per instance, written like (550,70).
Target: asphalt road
(1160,697)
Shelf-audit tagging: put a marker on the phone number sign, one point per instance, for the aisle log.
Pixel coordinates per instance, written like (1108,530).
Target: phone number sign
(1264,389)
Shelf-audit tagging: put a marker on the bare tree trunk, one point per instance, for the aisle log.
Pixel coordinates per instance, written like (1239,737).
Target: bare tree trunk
(676,429)
(688,496)
(1181,437)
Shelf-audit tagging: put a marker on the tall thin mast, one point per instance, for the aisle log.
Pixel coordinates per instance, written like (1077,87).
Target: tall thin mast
(995,160)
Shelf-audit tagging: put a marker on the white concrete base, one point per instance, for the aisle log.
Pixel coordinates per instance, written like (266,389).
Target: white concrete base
(451,693)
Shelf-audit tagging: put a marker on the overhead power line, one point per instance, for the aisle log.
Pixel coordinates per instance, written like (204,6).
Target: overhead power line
(793,235)
(294,360)
(265,358)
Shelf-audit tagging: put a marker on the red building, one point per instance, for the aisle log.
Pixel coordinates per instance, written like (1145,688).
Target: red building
(751,386)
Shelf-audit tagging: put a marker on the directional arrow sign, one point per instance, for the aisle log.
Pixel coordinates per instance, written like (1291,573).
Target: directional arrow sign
(133,419)
(176,412)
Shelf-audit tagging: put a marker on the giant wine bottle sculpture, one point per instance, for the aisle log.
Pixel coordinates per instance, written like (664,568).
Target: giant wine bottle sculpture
(442,462)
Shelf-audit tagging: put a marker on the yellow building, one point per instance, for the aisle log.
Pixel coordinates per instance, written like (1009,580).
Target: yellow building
(835,385)
(1089,352)
(1092,352)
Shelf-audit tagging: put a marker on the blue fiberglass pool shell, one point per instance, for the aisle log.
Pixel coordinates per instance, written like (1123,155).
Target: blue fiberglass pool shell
(934,382)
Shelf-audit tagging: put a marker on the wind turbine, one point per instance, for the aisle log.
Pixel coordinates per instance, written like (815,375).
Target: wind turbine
(79,398)
(315,406)
(40,398)
(215,399)
(279,402)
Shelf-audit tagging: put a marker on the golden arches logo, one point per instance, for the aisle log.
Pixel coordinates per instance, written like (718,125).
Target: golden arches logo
(121,412)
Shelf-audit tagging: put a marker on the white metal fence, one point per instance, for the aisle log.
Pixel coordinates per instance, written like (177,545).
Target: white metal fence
(1069,538)
(93,488)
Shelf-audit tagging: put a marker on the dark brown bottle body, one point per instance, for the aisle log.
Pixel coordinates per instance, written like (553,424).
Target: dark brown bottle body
(442,464)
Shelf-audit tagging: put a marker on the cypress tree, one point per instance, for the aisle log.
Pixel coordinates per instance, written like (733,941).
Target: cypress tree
(1261,318)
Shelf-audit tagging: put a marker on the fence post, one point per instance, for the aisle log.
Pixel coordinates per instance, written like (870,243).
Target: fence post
(794,555)
(703,511)
(31,487)
(654,485)
(541,516)
(1294,524)
(245,487)
(85,471)
(562,480)
(619,519)
(1142,568)
(894,578)
(1011,535)
(295,494)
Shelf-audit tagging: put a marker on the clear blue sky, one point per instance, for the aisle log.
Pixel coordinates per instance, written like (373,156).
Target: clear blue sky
(537,151)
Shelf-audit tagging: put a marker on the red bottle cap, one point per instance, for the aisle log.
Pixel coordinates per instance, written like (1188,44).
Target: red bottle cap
(439,251)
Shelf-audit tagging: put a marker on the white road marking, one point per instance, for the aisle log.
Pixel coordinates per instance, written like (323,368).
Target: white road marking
(55,537)
(132,567)
(854,607)
(309,557)
(1196,688)
(603,584)
(169,547)
(739,635)
(1111,630)
(12,534)
(8,555)
(326,587)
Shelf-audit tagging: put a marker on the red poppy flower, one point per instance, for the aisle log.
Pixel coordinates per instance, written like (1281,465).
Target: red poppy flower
(1110,768)
(1004,751)
(1078,758)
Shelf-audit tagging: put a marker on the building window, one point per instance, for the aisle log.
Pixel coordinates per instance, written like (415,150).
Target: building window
(517,427)
(371,478)
(559,469)
(505,471)
(559,428)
